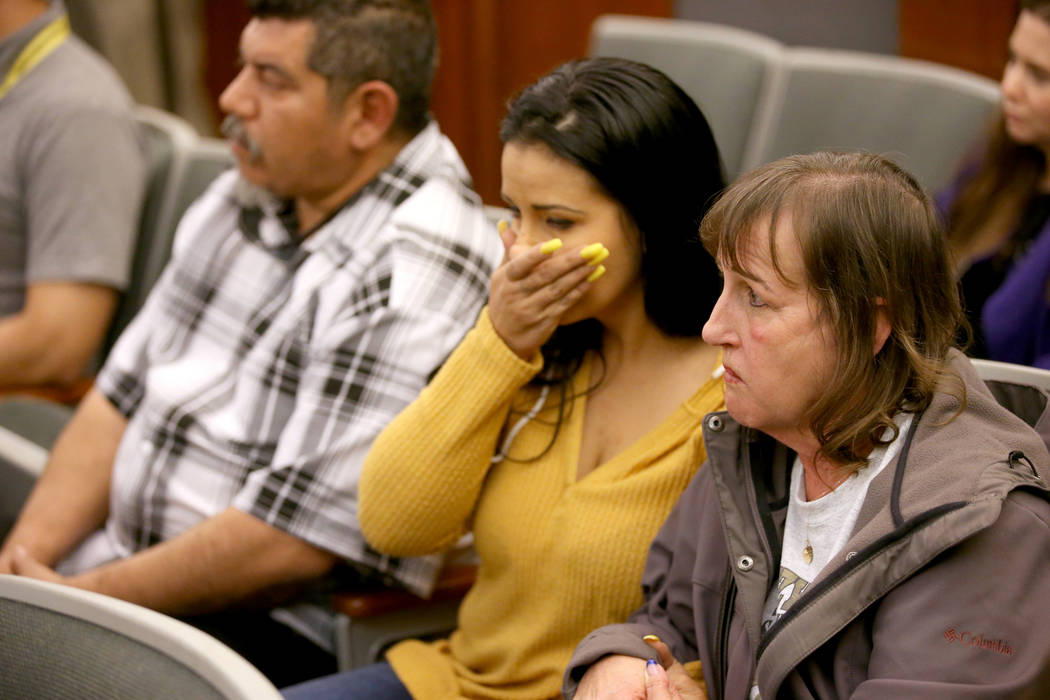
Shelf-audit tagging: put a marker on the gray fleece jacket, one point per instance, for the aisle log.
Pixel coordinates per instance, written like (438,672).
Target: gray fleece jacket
(943,590)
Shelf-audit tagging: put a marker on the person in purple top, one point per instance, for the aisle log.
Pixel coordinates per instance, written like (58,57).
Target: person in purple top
(998,209)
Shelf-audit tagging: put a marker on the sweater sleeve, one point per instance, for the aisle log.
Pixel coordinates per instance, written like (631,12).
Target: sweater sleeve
(667,605)
(1014,318)
(424,472)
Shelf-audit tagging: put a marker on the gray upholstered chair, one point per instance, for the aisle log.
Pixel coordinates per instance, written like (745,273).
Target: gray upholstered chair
(181,166)
(1023,390)
(728,72)
(923,115)
(63,643)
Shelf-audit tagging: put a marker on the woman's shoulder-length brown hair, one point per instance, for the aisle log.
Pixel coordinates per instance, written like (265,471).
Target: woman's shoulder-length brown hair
(870,240)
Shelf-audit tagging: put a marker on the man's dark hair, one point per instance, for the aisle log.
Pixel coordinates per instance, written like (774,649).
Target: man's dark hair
(394,41)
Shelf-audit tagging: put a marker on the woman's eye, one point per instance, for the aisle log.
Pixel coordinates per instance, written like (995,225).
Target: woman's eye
(560,224)
(753,298)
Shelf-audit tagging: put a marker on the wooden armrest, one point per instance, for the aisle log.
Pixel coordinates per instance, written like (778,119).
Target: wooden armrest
(68,394)
(452,584)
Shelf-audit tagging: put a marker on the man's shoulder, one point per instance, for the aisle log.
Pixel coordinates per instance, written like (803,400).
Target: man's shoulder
(75,77)
(432,165)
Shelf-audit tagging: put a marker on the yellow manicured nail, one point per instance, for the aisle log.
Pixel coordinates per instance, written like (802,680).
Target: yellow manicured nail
(602,255)
(551,245)
(591,251)
(651,638)
(598,272)
(501,225)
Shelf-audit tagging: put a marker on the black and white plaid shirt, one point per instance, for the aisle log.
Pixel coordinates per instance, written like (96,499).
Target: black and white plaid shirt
(263,365)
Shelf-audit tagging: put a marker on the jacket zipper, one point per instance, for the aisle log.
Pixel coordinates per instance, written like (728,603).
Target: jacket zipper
(813,593)
(724,619)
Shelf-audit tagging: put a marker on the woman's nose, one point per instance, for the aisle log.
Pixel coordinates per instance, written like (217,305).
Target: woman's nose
(716,330)
(529,234)
(1011,82)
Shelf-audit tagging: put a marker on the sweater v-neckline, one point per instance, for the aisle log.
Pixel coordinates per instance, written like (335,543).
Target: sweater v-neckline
(685,416)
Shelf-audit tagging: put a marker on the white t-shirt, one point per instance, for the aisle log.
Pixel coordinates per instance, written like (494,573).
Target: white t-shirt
(824,524)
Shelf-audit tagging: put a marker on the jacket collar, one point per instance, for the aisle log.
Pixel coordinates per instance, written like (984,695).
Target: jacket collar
(942,487)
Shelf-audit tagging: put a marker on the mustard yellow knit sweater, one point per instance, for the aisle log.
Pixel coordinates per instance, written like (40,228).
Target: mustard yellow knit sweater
(559,556)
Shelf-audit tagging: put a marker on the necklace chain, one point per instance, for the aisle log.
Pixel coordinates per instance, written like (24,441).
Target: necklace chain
(807,551)
(829,488)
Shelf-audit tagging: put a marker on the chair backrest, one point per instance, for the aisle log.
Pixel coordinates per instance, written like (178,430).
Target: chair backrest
(63,643)
(182,165)
(1025,391)
(727,71)
(923,115)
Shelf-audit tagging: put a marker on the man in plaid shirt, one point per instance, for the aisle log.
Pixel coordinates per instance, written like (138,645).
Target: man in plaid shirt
(309,296)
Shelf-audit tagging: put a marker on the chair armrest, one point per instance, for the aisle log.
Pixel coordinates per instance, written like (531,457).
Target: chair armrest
(35,420)
(452,584)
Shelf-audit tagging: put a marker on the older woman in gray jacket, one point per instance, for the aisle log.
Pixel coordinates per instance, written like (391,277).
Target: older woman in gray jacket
(870,523)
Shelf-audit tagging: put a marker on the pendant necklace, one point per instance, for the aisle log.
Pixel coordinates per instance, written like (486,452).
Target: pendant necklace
(807,551)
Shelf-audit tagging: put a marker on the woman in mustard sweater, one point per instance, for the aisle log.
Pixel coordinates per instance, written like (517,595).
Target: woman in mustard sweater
(565,425)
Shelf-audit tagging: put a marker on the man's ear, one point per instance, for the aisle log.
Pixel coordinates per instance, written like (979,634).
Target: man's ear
(370,112)
(883,326)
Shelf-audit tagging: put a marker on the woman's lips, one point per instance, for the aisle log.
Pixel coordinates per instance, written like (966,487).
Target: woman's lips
(731,377)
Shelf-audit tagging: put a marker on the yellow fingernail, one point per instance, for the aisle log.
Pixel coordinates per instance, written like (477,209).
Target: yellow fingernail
(592,250)
(551,245)
(501,225)
(602,255)
(651,638)
(598,272)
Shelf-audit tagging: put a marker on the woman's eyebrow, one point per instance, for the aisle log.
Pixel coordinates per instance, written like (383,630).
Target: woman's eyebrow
(548,207)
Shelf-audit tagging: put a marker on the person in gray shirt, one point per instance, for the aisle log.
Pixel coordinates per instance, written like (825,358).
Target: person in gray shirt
(71,181)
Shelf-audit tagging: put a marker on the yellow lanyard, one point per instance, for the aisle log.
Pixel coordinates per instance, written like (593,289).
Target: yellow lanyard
(46,41)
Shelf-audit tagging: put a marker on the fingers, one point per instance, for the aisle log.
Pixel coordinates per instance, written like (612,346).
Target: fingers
(680,680)
(657,685)
(522,261)
(546,284)
(539,261)
(507,235)
(536,285)
(664,651)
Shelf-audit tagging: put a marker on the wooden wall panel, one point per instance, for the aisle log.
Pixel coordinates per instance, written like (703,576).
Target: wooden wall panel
(491,49)
(223,22)
(969,34)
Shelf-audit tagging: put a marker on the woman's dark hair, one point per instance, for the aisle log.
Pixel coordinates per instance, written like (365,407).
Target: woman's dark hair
(648,145)
(991,202)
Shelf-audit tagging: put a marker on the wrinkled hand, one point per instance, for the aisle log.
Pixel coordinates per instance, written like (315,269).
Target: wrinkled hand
(658,685)
(674,683)
(23,564)
(531,291)
(615,676)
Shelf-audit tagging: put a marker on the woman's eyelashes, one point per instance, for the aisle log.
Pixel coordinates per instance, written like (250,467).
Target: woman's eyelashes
(539,218)
(559,224)
(753,298)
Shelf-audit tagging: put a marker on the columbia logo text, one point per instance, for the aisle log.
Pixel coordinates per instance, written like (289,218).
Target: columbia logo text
(978,641)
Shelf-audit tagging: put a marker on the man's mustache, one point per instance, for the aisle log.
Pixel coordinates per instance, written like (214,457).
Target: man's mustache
(233,129)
